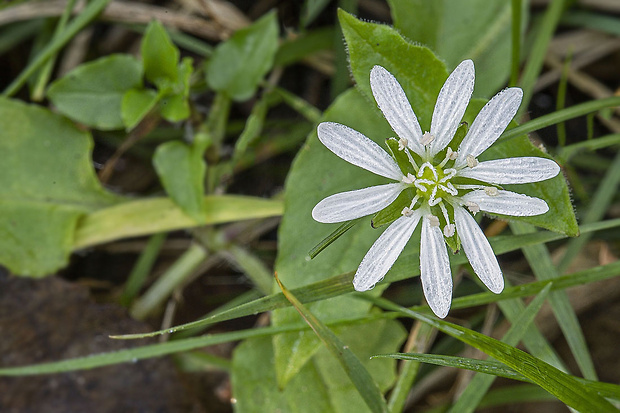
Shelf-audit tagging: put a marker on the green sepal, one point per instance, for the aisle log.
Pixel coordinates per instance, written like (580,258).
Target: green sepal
(454,242)
(393,211)
(399,156)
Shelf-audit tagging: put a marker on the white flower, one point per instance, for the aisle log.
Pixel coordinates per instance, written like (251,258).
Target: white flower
(443,199)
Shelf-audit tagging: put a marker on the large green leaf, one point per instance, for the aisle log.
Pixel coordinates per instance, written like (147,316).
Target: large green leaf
(317,173)
(419,71)
(321,385)
(46,184)
(466,29)
(239,64)
(92,93)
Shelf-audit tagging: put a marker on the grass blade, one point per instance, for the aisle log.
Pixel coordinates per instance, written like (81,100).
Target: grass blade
(360,377)
(563,386)
(479,385)
(540,261)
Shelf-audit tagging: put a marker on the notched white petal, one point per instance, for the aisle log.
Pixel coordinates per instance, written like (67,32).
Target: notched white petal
(490,123)
(358,150)
(395,107)
(513,170)
(507,203)
(451,104)
(435,269)
(383,253)
(355,204)
(478,251)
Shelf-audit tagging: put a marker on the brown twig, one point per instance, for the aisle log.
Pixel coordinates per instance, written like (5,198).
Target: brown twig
(123,12)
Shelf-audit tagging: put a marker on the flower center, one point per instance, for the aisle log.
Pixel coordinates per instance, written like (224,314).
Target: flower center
(433,183)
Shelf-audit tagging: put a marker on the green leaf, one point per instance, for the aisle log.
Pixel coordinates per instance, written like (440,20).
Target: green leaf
(495,368)
(315,174)
(47,184)
(321,385)
(420,73)
(175,107)
(136,104)
(311,9)
(239,64)
(561,385)
(467,29)
(159,56)
(181,169)
(92,93)
(149,216)
(365,385)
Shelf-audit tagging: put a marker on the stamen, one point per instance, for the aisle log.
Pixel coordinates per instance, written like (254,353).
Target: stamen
(473,207)
(427,138)
(411,161)
(471,161)
(444,211)
(491,191)
(433,220)
(407,212)
(413,201)
(449,230)
(402,144)
(409,179)
(460,186)
(450,156)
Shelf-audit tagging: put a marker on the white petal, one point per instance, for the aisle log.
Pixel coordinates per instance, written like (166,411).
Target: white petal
(451,104)
(355,204)
(490,123)
(357,149)
(383,253)
(478,251)
(435,269)
(507,203)
(395,107)
(512,170)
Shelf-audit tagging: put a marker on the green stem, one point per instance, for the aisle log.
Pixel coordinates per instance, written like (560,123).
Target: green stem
(516,41)
(82,20)
(539,50)
(38,91)
(560,116)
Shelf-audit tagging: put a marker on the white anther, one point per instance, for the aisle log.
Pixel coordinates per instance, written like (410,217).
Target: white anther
(427,138)
(409,179)
(471,161)
(433,220)
(402,144)
(452,155)
(473,207)
(491,191)
(407,212)
(449,230)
